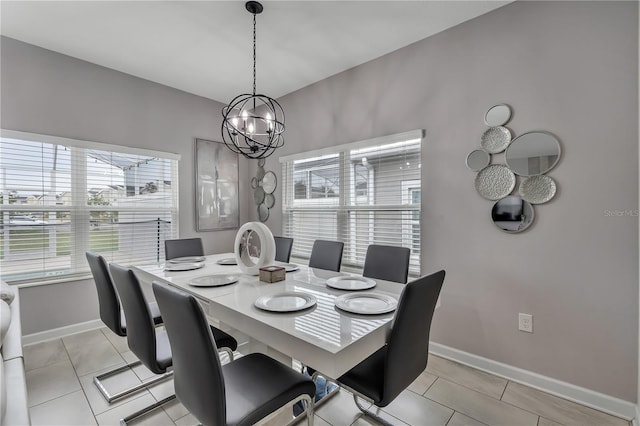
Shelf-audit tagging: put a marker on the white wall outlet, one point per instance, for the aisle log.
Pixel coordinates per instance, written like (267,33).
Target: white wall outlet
(525,322)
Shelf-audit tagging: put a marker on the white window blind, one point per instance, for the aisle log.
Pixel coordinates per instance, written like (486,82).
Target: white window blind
(60,198)
(362,193)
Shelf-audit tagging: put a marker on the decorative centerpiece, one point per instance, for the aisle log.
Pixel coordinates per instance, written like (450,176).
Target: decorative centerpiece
(254,247)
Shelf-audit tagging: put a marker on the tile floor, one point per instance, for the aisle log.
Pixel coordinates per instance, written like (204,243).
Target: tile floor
(61,392)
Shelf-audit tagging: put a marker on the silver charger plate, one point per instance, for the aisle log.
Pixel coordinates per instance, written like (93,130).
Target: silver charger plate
(213,280)
(495,182)
(227,261)
(288,267)
(287,301)
(537,189)
(495,139)
(351,283)
(366,303)
(183,266)
(187,259)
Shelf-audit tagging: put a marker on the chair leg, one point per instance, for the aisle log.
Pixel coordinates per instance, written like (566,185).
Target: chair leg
(308,402)
(369,413)
(97,380)
(123,422)
(228,351)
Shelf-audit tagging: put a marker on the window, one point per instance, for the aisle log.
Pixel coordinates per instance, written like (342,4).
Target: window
(362,193)
(60,198)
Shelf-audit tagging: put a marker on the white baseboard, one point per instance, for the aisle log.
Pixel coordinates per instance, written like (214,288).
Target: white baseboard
(599,401)
(57,333)
(636,419)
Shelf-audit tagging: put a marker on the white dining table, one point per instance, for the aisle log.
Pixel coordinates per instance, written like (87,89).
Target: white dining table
(324,337)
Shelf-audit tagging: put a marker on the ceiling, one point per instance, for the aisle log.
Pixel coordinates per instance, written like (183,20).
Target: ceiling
(204,47)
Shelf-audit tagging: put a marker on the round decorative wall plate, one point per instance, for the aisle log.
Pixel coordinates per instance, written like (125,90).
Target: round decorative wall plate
(495,182)
(495,139)
(537,189)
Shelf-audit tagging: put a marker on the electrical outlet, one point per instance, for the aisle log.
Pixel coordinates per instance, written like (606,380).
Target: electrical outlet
(525,322)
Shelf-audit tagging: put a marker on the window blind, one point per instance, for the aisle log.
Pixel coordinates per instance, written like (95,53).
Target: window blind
(363,193)
(60,198)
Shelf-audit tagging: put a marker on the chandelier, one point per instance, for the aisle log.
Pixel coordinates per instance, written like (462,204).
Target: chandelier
(253,124)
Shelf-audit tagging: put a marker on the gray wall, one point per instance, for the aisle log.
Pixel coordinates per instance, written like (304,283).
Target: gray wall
(570,68)
(53,94)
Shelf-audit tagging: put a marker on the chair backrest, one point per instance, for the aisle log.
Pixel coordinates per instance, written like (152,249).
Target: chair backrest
(388,263)
(408,342)
(141,333)
(198,379)
(326,255)
(108,300)
(283,248)
(183,247)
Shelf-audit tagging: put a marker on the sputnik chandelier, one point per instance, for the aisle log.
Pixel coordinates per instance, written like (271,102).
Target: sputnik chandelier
(253,124)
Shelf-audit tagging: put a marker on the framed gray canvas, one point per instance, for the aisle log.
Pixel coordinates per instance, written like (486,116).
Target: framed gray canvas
(216,186)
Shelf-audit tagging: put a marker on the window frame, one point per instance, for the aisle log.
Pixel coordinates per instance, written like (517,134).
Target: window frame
(79,209)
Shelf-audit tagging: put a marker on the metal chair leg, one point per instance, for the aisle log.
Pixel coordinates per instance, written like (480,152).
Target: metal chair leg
(123,422)
(97,380)
(369,413)
(228,351)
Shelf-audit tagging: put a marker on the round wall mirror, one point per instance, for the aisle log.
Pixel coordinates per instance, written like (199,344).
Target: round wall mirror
(533,153)
(269,182)
(263,212)
(512,214)
(269,201)
(258,195)
(497,115)
(260,173)
(478,160)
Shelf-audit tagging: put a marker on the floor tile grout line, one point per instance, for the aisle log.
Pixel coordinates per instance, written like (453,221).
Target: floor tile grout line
(464,386)
(505,389)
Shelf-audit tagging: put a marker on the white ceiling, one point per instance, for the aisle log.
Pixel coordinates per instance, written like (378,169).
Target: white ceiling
(204,47)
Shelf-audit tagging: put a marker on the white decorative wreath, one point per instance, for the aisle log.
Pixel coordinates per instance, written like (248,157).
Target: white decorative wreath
(267,255)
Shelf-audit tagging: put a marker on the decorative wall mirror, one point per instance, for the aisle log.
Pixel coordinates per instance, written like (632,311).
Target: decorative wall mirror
(528,156)
(478,159)
(533,153)
(512,214)
(264,185)
(497,115)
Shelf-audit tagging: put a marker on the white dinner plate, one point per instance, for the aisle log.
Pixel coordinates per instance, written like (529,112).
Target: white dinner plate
(351,283)
(183,266)
(366,303)
(287,301)
(227,261)
(288,267)
(213,280)
(187,259)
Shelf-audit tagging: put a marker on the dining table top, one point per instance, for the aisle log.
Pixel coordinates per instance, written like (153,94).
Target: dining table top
(322,336)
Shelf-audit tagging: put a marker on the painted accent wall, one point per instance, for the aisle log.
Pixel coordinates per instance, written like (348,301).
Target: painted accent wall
(53,94)
(570,68)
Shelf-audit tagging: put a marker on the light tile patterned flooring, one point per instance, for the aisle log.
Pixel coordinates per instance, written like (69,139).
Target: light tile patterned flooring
(61,392)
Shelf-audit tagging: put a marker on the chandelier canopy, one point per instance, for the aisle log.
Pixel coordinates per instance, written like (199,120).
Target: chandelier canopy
(253,124)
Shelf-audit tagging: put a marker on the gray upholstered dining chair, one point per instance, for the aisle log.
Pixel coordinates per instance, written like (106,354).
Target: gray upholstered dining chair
(326,255)
(183,247)
(150,345)
(389,263)
(381,377)
(112,316)
(238,393)
(283,248)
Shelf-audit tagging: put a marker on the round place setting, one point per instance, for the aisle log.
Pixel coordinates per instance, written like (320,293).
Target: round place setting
(187,259)
(227,261)
(287,301)
(213,280)
(366,303)
(183,266)
(351,283)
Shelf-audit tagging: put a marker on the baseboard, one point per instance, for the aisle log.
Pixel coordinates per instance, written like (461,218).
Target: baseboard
(599,401)
(57,333)
(636,419)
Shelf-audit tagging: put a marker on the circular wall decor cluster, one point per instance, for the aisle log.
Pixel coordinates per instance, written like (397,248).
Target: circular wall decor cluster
(264,185)
(527,157)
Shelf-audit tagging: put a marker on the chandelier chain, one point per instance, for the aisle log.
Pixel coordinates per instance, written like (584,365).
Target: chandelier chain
(254,54)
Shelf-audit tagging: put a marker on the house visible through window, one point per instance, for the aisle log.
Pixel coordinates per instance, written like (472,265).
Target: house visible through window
(362,193)
(60,198)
